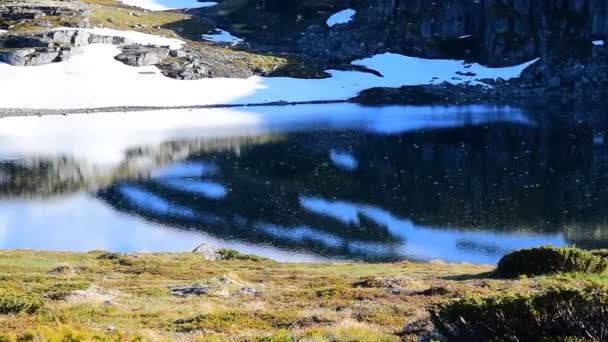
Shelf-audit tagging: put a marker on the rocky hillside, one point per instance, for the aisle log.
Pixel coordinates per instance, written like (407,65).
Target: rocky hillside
(293,39)
(568,36)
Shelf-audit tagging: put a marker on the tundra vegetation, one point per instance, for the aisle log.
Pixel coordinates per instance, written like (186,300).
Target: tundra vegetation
(98,295)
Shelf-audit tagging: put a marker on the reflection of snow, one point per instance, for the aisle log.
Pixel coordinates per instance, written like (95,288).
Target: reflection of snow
(341,17)
(186,170)
(430,242)
(163,5)
(343,160)
(153,203)
(208,189)
(343,211)
(106,142)
(222,36)
(301,234)
(598,42)
(82,223)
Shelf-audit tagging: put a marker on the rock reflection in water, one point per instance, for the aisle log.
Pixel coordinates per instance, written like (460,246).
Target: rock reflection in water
(460,186)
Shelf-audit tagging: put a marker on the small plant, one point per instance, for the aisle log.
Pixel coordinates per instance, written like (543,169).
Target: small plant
(108,256)
(13,302)
(231,254)
(558,314)
(550,260)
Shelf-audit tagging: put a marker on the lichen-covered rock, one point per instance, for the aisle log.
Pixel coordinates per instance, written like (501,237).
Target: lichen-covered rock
(142,55)
(37,56)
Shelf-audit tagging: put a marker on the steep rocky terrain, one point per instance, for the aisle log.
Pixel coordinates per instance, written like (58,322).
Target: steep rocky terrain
(492,32)
(292,39)
(568,35)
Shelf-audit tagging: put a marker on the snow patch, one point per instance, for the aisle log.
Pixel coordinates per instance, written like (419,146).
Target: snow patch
(598,42)
(343,160)
(398,69)
(164,5)
(222,36)
(465,36)
(3,31)
(95,79)
(341,17)
(134,36)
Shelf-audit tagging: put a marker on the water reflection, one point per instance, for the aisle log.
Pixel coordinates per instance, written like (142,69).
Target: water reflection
(306,182)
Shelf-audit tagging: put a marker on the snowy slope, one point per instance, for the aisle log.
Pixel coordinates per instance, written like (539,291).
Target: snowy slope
(95,79)
(163,5)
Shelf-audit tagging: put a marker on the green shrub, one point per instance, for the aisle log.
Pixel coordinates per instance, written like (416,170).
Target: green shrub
(12,302)
(556,315)
(109,256)
(602,253)
(549,260)
(231,254)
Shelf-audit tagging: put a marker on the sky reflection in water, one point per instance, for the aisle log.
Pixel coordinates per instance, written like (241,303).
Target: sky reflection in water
(297,183)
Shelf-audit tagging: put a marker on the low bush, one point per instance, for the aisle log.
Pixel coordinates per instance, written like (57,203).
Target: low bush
(13,302)
(558,315)
(550,260)
(65,334)
(231,254)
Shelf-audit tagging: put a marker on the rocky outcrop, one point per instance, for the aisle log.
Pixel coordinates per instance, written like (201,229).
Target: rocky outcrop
(38,56)
(492,32)
(33,49)
(142,55)
(13,10)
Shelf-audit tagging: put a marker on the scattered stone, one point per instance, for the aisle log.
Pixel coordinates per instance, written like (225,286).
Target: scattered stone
(61,270)
(250,291)
(434,291)
(192,291)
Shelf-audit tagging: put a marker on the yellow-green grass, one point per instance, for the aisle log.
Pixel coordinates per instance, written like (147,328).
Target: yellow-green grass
(93,293)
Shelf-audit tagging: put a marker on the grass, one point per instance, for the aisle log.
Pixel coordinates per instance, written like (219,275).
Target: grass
(92,292)
(128,296)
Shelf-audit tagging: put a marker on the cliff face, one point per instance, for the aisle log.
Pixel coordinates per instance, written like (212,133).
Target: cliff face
(496,32)
(492,32)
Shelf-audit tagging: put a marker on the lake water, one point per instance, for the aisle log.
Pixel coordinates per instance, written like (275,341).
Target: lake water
(307,183)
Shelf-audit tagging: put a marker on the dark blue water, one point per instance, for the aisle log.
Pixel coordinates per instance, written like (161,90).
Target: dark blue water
(337,182)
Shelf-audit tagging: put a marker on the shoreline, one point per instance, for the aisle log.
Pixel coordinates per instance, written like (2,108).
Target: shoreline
(420,95)
(209,254)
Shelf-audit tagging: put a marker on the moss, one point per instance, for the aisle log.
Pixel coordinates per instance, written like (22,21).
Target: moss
(16,302)
(65,334)
(550,260)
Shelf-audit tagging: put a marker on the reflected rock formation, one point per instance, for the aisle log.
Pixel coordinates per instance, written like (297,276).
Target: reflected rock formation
(54,176)
(482,187)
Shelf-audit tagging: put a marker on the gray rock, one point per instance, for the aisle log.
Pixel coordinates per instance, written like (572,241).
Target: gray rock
(193,290)
(140,55)
(37,56)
